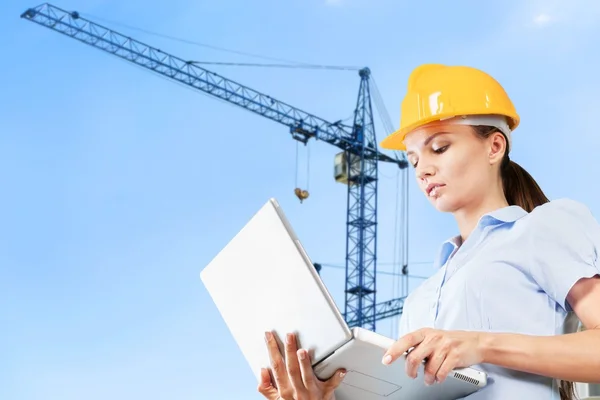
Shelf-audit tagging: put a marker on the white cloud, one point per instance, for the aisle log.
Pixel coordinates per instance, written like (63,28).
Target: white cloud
(571,14)
(540,28)
(542,19)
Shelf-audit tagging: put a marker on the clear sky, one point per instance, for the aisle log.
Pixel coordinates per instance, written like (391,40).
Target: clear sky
(120,186)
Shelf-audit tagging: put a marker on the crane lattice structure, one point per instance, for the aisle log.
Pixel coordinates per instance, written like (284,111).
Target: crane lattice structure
(356,164)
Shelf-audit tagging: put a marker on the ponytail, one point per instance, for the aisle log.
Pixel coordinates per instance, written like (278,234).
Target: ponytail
(520,189)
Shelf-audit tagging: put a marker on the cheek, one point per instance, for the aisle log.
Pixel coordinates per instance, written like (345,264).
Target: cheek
(469,176)
(464,173)
(456,170)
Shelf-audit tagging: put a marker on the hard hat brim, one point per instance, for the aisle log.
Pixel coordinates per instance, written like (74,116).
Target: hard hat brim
(395,140)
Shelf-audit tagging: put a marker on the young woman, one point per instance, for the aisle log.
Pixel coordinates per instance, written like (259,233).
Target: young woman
(512,285)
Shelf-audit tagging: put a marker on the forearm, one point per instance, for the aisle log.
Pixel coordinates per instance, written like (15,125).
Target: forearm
(572,357)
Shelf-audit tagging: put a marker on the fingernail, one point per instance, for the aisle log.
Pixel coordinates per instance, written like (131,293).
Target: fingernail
(301,354)
(342,374)
(387,359)
(268,336)
(290,338)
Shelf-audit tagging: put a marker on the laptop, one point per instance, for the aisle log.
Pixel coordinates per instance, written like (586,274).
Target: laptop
(263,280)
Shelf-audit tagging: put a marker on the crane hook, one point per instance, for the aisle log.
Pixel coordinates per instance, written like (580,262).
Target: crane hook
(301,194)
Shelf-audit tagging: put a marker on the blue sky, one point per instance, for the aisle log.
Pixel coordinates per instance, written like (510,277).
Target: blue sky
(119,186)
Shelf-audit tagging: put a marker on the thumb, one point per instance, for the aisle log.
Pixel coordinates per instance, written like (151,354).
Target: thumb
(265,386)
(336,379)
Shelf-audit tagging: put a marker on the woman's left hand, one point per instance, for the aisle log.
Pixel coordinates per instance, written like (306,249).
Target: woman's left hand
(442,351)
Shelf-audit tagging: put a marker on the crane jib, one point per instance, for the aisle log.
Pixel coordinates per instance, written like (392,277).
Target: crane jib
(359,158)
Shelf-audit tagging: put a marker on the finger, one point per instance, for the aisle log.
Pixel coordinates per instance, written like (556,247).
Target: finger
(335,381)
(415,358)
(306,370)
(446,368)
(432,366)
(278,366)
(291,362)
(265,386)
(403,344)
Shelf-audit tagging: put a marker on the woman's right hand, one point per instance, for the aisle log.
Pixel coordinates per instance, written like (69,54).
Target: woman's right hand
(293,376)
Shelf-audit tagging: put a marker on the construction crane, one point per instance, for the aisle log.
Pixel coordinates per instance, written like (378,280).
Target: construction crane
(356,164)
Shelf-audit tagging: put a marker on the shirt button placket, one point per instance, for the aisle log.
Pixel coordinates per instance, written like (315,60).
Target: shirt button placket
(435,304)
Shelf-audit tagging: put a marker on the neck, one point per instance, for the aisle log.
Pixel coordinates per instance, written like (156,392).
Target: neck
(468,217)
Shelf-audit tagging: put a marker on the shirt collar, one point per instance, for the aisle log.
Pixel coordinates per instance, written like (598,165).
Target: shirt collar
(500,216)
(503,215)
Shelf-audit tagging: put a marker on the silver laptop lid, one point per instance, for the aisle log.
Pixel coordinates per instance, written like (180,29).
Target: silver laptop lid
(263,280)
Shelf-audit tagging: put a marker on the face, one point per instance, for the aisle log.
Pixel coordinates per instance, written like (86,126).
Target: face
(454,167)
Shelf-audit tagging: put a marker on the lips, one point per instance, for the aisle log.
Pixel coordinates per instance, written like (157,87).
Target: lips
(433,188)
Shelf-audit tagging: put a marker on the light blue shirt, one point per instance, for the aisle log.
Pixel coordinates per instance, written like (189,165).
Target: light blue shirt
(512,274)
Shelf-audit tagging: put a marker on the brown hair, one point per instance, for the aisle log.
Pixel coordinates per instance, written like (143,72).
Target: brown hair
(522,190)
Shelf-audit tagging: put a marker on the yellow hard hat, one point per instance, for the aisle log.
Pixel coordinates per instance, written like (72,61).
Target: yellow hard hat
(437,92)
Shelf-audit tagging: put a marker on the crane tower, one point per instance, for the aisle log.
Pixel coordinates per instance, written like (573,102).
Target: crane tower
(355,165)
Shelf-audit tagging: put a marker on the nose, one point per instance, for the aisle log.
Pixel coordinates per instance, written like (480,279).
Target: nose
(424,170)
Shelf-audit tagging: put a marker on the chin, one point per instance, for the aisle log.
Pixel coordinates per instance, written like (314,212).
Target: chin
(444,204)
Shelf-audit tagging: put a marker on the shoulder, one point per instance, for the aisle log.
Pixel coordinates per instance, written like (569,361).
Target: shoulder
(563,224)
(563,207)
(562,215)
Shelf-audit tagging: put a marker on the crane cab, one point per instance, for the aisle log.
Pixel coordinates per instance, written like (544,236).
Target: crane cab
(346,167)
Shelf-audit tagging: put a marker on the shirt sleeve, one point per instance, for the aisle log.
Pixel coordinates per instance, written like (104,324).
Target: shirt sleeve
(403,328)
(565,240)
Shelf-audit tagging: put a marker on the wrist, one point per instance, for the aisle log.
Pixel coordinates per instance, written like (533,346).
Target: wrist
(487,344)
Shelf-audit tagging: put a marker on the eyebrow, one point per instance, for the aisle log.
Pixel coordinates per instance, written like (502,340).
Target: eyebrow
(428,140)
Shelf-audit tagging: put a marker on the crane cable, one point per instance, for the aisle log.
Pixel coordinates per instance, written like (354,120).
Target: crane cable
(302,194)
(300,66)
(400,274)
(289,63)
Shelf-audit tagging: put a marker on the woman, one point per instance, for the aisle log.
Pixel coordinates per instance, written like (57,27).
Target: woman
(512,284)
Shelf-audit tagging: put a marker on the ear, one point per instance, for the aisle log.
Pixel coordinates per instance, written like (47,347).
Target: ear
(498,145)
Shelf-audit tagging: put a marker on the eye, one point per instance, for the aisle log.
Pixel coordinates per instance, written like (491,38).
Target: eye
(441,149)
(412,160)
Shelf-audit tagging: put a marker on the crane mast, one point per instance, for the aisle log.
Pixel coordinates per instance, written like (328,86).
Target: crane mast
(356,164)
